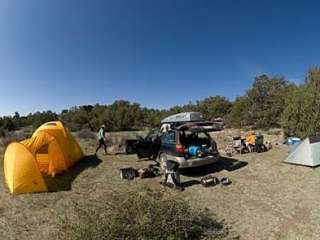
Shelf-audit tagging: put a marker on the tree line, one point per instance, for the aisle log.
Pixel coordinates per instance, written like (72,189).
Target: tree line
(271,102)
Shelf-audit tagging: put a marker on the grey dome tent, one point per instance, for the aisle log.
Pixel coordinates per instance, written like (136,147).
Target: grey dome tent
(306,153)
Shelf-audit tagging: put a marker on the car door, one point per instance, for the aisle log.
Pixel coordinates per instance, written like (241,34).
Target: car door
(144,148)
(147,147)
(168,143)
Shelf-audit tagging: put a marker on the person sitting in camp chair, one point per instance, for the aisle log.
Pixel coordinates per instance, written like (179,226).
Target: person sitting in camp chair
(251,141)
(102,139)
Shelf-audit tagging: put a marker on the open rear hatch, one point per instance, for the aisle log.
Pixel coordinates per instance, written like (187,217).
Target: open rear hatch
(197,127)
(195,138)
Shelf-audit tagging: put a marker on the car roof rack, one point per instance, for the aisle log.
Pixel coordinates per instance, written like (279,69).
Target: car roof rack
(184,117)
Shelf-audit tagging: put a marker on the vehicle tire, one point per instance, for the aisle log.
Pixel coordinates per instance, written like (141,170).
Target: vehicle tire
(129,149)
(163,160)
(130,146)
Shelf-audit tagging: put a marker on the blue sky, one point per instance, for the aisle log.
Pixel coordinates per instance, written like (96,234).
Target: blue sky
(55,54)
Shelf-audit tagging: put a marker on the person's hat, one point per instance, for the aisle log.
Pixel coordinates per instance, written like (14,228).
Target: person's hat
(103,126)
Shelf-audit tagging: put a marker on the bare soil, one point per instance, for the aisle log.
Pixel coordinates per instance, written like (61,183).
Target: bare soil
(267,199)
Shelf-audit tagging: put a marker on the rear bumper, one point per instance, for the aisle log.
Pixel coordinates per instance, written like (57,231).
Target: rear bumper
(196,162)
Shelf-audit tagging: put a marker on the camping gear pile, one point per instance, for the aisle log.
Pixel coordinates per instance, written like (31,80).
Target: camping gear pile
(238,145)
(131,173)
(197,151)
(51,150)
(251,143)
(148,172)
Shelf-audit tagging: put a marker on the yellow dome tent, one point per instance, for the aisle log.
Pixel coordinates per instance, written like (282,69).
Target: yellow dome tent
(51,150)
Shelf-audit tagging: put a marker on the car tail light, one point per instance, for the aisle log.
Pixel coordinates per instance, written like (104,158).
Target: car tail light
(180,149)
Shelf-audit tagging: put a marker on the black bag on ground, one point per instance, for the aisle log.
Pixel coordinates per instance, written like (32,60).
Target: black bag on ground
(128,173)
(172,176)
(209,181)
(148,172)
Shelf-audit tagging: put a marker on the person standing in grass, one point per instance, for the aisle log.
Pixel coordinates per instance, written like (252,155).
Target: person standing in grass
(102,139)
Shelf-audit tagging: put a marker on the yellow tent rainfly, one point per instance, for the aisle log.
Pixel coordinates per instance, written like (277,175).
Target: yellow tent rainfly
(51,150)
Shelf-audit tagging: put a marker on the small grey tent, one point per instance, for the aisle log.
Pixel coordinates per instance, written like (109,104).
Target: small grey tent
(306,153)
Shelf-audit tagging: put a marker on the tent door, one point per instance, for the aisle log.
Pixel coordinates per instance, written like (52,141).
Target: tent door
(42,157)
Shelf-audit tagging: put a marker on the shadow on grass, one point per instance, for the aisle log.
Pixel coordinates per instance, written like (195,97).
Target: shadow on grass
(63,182)
(190,183)
(229,164)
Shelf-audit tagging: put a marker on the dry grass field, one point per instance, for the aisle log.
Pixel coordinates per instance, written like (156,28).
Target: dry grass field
(267,199)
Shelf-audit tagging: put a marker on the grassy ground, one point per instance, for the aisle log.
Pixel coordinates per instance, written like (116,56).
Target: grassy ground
(266,200)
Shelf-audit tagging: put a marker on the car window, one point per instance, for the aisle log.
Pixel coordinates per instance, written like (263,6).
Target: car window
(199,134)
(202,135)
(169,137)
(153,133)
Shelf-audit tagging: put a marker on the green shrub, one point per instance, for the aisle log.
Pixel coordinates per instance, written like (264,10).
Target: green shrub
(238,116)
(139,215)
(2,132)
(15,136)
(301,116)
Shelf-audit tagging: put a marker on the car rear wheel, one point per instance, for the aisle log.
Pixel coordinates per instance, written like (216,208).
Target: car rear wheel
(163,160)
(129,149)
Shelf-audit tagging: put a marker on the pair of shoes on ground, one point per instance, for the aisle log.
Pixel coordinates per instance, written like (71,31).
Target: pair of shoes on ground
(210,181)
